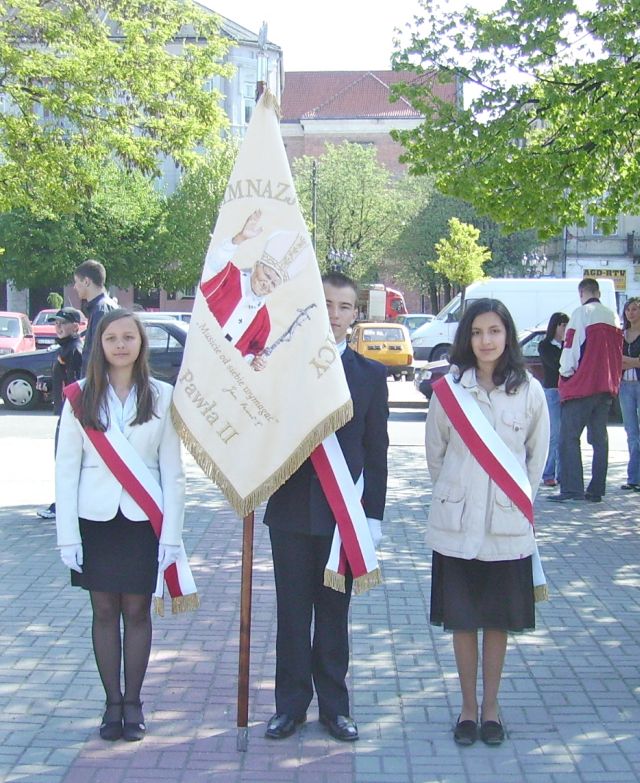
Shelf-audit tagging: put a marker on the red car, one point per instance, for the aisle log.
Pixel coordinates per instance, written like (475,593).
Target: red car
(16,335)
(44,328)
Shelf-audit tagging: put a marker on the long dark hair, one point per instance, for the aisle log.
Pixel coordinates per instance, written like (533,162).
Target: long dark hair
(554,322)
(509,368)
(625,321)
(94,412)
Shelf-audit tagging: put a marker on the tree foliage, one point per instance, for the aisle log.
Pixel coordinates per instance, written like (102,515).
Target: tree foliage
(360,207)
(460,258)
(551,128)
(84,82)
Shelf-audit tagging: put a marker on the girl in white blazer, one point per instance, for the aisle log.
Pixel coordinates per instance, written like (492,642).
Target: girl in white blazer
(482,543)
(105,538)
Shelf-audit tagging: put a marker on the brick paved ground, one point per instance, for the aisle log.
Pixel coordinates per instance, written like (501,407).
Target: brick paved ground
(570,694)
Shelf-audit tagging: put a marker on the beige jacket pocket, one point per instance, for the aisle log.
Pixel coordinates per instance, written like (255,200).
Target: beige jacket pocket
(447,507)
(507,519)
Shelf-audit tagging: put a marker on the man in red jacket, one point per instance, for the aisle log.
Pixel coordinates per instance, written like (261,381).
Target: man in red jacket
(590,372)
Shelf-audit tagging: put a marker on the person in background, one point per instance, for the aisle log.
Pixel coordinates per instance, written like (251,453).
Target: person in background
(590,370)
(630,389)
(89,281)
(104,536)
(66,369)
(549,350)
(487,419)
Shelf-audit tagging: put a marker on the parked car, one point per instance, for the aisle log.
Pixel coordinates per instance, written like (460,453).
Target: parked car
(387,343)
(427,374)
(16,335)
(414,320)
(20,373)
(153,315)
(44,327)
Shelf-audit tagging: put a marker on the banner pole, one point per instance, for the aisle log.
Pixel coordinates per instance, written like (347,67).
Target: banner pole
(245,632)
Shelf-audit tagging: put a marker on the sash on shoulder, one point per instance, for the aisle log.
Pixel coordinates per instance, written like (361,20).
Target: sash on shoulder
(352,544)
(494,457)
(130,471)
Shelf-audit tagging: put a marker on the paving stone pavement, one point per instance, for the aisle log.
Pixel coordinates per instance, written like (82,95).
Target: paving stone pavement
(570,696)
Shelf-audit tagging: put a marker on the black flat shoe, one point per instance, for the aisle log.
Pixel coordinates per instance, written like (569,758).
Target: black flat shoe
(134,731)
(465,732)
(492,732)
(342,727)
(283,725)
(636,487)
(111,726)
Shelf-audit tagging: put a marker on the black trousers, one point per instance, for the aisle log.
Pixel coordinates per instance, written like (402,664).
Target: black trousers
(302,660)
(593,413)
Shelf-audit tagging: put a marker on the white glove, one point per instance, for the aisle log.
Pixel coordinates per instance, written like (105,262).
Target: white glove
(71,556)
(167,555)
(375,528)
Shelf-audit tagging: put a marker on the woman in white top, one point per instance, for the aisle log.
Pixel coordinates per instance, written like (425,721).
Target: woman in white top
(105,538)
(630,390)
(482,542)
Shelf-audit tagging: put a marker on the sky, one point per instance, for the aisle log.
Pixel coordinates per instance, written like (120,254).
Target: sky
(331,35)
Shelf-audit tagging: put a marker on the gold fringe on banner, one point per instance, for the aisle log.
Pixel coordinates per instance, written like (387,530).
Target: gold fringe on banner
(185,603)
(540,593)
(245,505)
(159,606)
(365,582)
(269,101)
(334,580)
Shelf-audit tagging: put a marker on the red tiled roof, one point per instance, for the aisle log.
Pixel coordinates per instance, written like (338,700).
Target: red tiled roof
(349,95)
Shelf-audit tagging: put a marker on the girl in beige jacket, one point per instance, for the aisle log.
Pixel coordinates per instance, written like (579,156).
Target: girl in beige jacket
(482,544)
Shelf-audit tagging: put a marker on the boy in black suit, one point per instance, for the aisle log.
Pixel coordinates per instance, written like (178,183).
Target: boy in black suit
(301,527)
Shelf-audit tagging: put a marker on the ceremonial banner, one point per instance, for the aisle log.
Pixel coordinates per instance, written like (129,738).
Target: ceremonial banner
(261,382)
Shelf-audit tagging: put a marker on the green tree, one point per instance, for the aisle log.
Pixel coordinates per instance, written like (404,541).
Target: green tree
(86,81)
(551,128)
(360,207)
(460,258)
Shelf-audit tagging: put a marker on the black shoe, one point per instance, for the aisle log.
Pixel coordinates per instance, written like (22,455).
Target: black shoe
(134,731)
(492,732)
(563,497)
(465,732)
(630,485)
(592,498)
(283,725)
(111,726)
(342,727)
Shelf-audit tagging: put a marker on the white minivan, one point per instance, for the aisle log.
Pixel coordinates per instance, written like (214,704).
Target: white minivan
(530,300)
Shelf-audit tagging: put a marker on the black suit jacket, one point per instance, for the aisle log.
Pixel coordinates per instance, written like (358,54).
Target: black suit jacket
(299,505)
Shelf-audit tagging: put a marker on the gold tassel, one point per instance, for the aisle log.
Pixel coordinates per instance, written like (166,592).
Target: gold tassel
(365,582)
(245,505)
(540,593)
(269,101)
(185,603)
(334,580)
(159,606)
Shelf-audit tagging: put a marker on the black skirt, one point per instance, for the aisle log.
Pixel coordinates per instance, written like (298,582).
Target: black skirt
(471,594)
(120,556)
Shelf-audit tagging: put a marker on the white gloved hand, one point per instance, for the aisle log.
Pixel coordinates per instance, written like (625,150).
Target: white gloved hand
(71,556)
(167,555)
(375,528)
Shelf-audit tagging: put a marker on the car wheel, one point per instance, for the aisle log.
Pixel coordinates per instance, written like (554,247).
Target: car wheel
(440,352)
(19,392)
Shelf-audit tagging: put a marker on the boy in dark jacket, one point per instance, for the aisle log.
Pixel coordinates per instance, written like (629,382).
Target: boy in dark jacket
(66,369)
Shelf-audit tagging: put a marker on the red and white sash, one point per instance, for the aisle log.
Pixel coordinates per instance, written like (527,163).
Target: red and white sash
(352,544)
(493,456)
(129,469)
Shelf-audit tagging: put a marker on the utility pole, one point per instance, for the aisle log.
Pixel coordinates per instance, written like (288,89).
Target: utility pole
(314,204)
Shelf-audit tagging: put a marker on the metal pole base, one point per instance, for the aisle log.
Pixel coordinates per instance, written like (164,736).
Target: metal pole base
(242,740)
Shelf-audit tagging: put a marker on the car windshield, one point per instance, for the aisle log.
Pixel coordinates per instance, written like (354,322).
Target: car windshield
(382,333)
(9,327)
(44,317)
(452,308)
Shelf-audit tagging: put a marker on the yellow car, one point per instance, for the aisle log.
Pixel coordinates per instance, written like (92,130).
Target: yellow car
(387,343)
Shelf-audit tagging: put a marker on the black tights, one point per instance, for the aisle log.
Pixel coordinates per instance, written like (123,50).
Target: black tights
(107,647)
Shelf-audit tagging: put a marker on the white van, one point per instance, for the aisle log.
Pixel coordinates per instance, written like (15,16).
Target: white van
(530,300)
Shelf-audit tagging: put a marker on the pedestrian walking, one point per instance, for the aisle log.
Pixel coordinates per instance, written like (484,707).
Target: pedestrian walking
(66,369)
(116,436)
(549,349)
(590,371)
(89,280)
(630,389)
(301,527)
(487,435)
